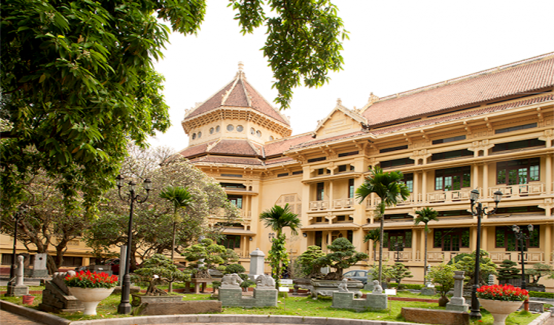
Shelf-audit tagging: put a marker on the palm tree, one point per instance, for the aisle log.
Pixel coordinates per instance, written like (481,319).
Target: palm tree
(180,198)
(424,216)
(278,218)
(373,235)
(389,188)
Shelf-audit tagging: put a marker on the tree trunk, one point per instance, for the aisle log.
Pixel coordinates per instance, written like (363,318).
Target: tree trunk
(170,289)
(425,258)
(381,235)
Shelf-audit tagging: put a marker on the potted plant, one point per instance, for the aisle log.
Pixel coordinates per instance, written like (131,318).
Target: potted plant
(443,276)
(501,300)
(90,288)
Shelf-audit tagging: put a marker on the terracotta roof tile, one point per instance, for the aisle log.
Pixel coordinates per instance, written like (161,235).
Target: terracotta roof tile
(234,147)
(465,114)
(279,161)
(212,103)
(320,141)
(230,160)
(261,105)
(279,146)
(193,151)
(494,83)
(237,97)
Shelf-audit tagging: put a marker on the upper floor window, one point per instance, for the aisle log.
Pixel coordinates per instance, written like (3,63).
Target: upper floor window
(452,179)
(506,238)
(396,162)
(451,154)
(351,188)
(452,139)
(233,185)
(193,136)
(230,127)
(240,128)
(320,192)
(392,237)
(345,154)
(520,171)
(217,128)
(408,180)
(211,130)
(230,241)
(518,145)
(451,239)
(236,200)
(393,149)
(316,159)
(516,128)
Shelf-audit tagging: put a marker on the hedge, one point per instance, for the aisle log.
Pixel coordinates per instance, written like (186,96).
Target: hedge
(538,294)
(406,286)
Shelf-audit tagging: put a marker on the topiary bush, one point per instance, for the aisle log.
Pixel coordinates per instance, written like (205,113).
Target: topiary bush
(538,294)
(234,268)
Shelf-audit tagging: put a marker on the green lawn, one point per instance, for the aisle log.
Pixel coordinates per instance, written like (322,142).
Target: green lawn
(295,306)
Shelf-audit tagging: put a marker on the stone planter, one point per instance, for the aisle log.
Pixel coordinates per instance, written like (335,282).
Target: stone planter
(90,297)
(327,287)
(139,299)
(500,309)
(302,283)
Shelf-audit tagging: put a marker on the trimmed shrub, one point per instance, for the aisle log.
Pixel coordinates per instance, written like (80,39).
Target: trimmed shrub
(541,294)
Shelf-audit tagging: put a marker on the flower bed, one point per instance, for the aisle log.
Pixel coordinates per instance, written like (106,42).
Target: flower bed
(502,292)
(91,280)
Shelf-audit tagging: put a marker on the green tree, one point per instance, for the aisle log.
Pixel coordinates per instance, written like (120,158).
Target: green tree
(507,271)
(389,188)
(398,272)
(425,216)
(156,270)
(374,235)
(308,262)
(343,255)
(77,79)
(539,270)
(180,198)
(486,267)
(206,255)
(443,276)
(277,218)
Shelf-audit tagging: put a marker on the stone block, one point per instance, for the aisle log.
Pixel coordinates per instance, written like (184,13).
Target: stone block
(17,290)
(342,300)
(435,316)
(454,307)
(376,301)
(536,306)
(181,307)
(230,297)
(428,291)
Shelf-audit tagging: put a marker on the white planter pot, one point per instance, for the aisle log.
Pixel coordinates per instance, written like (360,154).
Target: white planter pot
(90,297)
(500,309)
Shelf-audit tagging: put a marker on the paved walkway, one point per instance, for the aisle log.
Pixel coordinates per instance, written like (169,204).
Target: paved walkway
(13,319)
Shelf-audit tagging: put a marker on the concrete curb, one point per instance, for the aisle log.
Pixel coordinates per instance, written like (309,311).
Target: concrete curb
(33,314)
(246,319)
(543,318)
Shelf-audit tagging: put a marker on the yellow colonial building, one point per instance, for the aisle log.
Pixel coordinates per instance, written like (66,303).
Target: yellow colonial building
(491,130)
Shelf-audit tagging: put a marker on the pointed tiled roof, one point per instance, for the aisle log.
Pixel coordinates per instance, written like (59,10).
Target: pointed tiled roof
(511,79)
(238,93)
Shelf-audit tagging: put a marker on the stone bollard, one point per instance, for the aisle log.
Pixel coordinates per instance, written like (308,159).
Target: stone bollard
(457,303)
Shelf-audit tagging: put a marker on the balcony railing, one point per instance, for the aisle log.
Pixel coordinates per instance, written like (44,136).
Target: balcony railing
(343,203)
(518,190)
(530,257)
(392,256)
(319,205)
(449,196)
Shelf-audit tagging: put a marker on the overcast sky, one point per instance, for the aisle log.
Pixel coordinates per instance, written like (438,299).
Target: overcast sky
(394,46)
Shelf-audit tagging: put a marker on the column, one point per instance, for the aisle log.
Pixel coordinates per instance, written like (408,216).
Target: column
(422,245)
(473,239)
(414,245)
(424,186)
(475,176)
(416,187)
(548,175)
(484,238)
(331,195)
(548,243)
(486,180)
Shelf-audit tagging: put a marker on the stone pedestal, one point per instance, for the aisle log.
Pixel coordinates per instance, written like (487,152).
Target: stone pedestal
(230,297)
(457,302)
(200,284)
(17,290)
(257,259)
(372,302)
(428,291)
(326,288)
(262,298)
(369,283)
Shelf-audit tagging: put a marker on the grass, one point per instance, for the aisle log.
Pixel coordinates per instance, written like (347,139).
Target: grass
(294,306)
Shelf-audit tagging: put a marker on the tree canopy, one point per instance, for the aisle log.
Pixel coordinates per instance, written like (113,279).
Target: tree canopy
(78,82)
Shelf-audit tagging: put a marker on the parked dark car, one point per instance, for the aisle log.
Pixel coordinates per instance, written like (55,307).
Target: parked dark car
(360,275)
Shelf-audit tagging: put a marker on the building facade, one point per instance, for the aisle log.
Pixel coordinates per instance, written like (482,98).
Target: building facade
(491,130)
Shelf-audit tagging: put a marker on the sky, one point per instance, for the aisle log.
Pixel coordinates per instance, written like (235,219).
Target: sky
(394,46)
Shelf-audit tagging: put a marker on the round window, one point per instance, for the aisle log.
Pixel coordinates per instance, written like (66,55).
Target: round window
(199,135)
(258,133)
(230,127)
(252,131)
(217,128)
(193,136)
(270,138)
(212,131)
(239,128)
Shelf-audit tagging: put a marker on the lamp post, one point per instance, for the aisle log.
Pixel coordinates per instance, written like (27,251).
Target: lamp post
(20,212)
(125,306)
(521,237)
(398,247)
(478,211)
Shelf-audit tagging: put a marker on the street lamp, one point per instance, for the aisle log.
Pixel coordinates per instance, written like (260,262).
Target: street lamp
(521,236)
(125,306)
(478,211)
(20,212)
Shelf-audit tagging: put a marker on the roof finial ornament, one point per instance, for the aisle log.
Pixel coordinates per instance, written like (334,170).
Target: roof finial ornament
(241,66)
(339,101)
